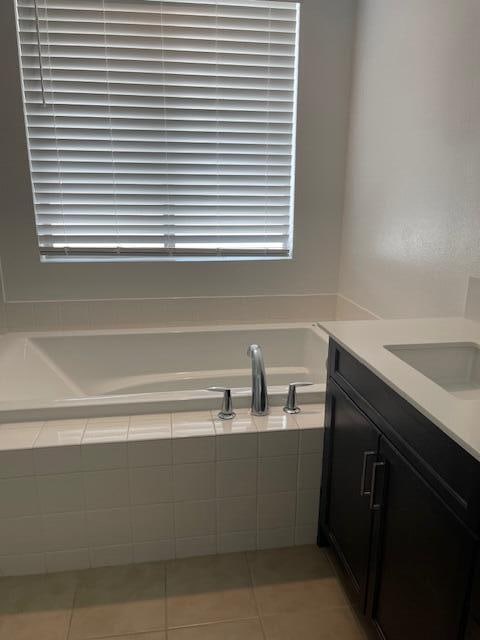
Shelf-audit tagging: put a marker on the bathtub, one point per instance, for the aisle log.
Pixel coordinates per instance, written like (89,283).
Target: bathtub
(52,375)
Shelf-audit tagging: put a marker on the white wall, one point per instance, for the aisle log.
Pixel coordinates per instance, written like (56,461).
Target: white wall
(325,64)
(411,233)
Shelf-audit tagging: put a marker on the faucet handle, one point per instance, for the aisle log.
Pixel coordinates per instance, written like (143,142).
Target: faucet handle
(291,404)
(226,412)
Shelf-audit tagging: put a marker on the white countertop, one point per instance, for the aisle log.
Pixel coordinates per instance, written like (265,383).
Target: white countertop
(365,339)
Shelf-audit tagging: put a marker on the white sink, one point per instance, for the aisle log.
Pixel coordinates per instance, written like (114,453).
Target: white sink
(455,366)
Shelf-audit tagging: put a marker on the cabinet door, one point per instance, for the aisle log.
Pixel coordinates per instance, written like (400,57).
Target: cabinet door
(351,443)
(425,557)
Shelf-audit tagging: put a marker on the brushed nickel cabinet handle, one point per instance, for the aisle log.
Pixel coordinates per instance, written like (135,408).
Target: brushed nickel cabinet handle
(363,480)
(375,506)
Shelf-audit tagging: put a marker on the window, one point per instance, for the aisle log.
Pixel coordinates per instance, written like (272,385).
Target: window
(160,127)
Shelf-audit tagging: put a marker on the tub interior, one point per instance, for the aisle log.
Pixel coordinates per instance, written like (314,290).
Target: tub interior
(47,376)
(138,363)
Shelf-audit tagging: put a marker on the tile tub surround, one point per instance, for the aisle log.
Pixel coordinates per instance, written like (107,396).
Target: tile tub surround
(85,493)
(69,315)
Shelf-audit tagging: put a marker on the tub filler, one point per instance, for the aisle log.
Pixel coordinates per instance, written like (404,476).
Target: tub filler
(52,375)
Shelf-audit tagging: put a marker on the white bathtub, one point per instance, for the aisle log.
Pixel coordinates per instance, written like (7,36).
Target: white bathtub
(97,373)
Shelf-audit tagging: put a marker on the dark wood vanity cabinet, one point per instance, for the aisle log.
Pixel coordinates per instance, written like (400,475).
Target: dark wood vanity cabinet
(406,538)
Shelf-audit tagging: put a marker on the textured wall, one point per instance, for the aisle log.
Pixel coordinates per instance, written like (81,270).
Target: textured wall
(411,234)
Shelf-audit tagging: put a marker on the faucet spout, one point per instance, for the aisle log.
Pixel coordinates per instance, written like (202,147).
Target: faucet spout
(259,381)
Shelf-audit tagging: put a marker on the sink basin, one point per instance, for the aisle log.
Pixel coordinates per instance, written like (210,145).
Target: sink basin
(455,366)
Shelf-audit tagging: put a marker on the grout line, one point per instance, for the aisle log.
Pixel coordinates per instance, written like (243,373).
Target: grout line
(252,586)
(3,289)
(130,517)
(176,299)
(297,490)
(207,624)
(257,493)
(165,583)
(217,497)
(74,599)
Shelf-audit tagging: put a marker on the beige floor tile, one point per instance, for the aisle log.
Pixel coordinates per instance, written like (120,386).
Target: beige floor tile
(238,630)
(329,624)
(154,635)
(294,580)
(209,589)
(115,600)
(36,606)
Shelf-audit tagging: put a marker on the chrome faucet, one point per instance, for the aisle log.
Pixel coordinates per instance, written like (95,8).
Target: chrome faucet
(259,382)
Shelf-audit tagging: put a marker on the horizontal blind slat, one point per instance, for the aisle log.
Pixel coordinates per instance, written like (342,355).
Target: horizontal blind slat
(160,128)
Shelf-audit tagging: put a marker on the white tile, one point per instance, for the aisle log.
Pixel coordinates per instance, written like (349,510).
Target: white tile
(74,315)
(106,488)
(104,456)
(192,424)
(308,507)
(18,497)
(71,560)
(21,435)
(150,453)
(194,481)
(197,449)
(152,522)
(277,443)
(236,478)
(64,531)
(106,430)
(277,420)
(154,551)
(312,416)
(276,538)
(310,471)
(306,534)
(311,440)
(237,446)
(237,514)
(150,485)
(107,527)
(55,460)
(193,519)
(62,492)
(21,535)
(111,556)
(237,541)
(276,475)
(150,427)
(61,433)
(14,464)
(46,316)
(276,511)
(243,423)
(21,565)
(20,316)
(199,546)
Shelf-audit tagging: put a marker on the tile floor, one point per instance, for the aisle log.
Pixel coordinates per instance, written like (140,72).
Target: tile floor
(281,594)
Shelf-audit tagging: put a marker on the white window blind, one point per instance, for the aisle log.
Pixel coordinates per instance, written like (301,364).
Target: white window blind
(161,127)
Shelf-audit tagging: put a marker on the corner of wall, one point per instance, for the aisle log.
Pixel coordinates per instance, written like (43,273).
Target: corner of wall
(472,304)
(3,312)
(347,309)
